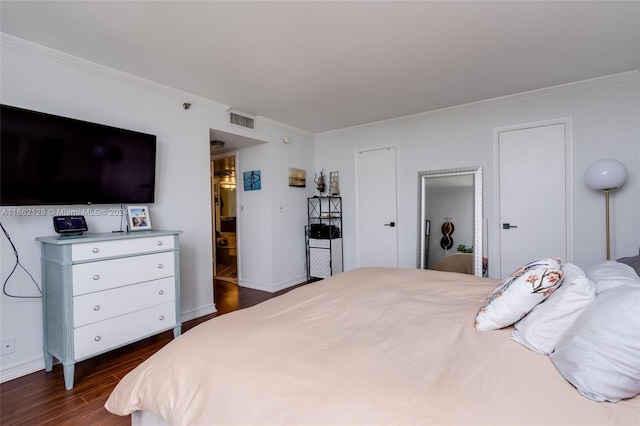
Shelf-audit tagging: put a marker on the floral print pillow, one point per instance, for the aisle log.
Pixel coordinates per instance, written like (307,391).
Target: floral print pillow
(519,293)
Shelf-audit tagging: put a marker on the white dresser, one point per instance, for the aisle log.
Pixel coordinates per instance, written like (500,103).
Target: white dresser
(103,291)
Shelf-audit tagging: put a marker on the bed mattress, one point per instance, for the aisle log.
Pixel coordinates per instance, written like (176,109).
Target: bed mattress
(373,346)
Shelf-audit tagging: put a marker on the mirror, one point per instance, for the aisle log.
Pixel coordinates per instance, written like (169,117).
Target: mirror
(450,220)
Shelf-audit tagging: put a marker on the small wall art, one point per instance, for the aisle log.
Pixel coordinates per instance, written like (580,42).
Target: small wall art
(139,218)
(252,180)
(334,183)
(297,177)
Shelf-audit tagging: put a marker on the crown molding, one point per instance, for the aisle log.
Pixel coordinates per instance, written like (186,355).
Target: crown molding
(35,49)
(552,90)
(38,50)
(283,126)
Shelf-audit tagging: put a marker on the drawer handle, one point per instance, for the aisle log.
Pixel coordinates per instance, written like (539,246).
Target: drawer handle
(97,338)
(160,266)
(159,243)
(161,318)
(95,250)
(96,277)
(161,292)
(96,308)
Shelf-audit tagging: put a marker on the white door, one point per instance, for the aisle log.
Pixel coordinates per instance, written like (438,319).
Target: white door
(532,193)
(377,227)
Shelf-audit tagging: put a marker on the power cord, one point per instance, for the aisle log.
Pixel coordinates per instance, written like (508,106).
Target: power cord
(15,252)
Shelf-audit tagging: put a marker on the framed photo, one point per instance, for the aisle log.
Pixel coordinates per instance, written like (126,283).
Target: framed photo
(297,177)
(252,180)
(139,218)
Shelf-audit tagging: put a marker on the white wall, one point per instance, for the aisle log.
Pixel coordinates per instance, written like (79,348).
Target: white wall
(37,78)
(606,124)
(271,237)
(271,246)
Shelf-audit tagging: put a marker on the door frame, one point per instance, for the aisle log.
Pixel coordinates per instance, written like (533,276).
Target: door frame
(212,158)
(494,222)
(357,196)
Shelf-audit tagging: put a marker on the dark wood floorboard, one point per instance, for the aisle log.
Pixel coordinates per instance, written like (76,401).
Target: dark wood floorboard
(41,399)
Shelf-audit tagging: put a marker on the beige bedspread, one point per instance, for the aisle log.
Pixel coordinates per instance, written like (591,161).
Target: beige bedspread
(456,262)
(366,347)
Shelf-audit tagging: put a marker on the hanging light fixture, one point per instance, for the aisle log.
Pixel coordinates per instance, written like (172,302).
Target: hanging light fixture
(606,175)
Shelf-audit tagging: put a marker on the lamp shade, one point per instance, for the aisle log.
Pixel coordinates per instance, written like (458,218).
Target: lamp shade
(605,174)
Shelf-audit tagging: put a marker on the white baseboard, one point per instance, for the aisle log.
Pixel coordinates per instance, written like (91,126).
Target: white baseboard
(197,313)
(272,288)
(20,370)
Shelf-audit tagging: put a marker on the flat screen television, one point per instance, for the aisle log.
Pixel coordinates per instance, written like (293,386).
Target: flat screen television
(46,160)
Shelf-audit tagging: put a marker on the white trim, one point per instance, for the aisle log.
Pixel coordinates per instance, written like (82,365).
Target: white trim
(18,44)
(22,369)
(256,285)
(197,313)
(260,119)
(494,234)
(552,90)
(272,288)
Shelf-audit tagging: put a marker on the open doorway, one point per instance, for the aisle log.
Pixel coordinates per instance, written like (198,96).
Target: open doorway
(225,248)
(224,150)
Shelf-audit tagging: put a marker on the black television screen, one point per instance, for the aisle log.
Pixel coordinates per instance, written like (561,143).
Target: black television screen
(47,159)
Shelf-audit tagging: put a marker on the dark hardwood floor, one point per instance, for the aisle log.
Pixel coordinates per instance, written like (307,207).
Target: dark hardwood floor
(41,399)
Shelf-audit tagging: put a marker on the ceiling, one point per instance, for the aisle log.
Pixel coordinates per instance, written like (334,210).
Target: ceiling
(325,65)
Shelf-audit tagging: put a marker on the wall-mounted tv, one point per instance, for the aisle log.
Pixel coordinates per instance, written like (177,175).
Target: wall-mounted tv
(47,159)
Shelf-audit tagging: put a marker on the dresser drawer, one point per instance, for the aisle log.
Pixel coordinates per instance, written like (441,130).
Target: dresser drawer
(94,307)
(103,249)
(102,336)
(106,274)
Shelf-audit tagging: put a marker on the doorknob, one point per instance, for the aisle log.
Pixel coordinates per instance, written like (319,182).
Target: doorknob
(391,224)
(508,226)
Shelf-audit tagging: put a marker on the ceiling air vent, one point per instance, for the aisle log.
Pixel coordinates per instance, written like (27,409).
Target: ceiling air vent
(241,120)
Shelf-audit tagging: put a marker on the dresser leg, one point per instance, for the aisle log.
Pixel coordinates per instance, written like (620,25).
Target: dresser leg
(68,376)
(176,331)
(48,361)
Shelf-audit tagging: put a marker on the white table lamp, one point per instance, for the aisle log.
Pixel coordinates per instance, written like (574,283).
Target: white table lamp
(606,175)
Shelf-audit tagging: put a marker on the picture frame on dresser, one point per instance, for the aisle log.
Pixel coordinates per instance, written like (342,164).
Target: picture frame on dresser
(139,218)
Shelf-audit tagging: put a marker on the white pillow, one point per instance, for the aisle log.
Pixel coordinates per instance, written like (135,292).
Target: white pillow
(600,353)
(611,274)
(517,294)
(541,329)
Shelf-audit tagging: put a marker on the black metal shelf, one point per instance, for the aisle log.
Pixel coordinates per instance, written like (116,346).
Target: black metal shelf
(323,237)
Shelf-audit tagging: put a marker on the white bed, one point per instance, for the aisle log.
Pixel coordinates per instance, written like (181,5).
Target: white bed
(373,346)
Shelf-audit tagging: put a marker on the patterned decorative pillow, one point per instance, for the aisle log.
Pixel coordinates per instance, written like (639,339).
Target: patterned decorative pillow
(517,294)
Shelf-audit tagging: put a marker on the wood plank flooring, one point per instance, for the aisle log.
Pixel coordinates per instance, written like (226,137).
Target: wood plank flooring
(41,399)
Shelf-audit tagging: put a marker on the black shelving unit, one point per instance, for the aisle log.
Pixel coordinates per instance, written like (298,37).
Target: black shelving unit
(323,236)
